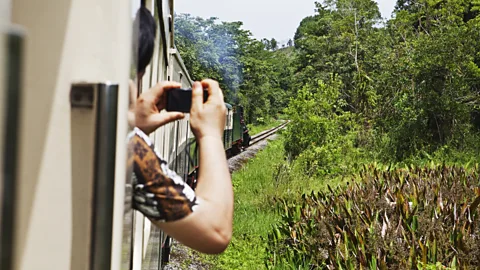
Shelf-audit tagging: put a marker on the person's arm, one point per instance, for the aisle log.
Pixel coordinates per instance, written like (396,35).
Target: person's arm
(209,228)
(202,221)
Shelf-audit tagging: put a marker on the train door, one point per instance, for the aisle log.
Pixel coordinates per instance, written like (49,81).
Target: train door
(72,159)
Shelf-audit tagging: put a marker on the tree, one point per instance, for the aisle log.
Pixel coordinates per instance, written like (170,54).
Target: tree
(273,44)
(290,43)
(247,69)
(267,44)
(407,82)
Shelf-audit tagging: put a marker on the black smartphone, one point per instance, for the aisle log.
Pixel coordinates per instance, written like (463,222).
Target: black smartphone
(180,100)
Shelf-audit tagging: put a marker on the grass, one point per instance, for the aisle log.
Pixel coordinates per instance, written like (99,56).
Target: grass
(252,216)
(255,186)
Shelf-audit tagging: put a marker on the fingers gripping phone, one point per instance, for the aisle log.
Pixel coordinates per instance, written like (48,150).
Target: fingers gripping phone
(180,100)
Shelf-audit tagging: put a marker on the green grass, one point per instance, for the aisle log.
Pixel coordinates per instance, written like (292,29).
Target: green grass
(255,187)
(253,213)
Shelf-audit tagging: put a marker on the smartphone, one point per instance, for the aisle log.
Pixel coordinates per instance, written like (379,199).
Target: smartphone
(180,100)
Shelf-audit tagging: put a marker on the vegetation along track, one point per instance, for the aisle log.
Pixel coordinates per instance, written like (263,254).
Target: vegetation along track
(185,258)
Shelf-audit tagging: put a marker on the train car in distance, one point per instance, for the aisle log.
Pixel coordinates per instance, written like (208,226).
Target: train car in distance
(236,135)
(66,190)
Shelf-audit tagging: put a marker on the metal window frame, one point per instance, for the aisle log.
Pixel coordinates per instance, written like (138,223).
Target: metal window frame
(14,37)
(102,97)
(104,176)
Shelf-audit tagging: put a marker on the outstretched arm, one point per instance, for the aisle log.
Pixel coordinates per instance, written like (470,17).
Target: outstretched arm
(202,221)
(209,228)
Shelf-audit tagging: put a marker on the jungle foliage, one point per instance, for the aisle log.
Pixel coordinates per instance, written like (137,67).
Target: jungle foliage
(360,89)
(397,91)
(400,91)
(405,88)
(251,72)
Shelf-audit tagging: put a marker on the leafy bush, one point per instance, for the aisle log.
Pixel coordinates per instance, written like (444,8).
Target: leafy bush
(393,219)
(321,135)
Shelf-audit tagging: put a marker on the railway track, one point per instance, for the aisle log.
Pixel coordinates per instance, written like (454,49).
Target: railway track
(256,139)
(265,134)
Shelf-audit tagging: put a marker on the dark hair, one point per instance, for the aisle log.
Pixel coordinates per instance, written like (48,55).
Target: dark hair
(144,33)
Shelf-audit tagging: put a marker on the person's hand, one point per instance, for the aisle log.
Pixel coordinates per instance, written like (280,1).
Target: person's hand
(148,111)
(207,119)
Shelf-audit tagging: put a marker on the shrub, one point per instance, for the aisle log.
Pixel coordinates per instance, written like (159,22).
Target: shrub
(321,136)
(392,219)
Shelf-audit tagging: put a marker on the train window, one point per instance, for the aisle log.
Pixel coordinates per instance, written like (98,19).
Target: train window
(173,145)
(180,151)
(177,167)
(191,155)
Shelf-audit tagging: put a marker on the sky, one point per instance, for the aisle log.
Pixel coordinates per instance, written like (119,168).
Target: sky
(277,19)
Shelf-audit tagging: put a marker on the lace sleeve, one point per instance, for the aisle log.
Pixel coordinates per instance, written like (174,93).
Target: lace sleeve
(159,193)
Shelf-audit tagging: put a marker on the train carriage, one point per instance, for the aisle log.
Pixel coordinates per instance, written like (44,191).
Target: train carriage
(70,189)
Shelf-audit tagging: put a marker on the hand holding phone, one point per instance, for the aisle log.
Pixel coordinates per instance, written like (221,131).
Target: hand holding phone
(149,106)
(180,100)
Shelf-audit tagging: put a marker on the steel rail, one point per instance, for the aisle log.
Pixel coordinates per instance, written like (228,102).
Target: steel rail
(262,136)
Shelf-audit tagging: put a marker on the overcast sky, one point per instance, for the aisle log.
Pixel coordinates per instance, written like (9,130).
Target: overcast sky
(277,19)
